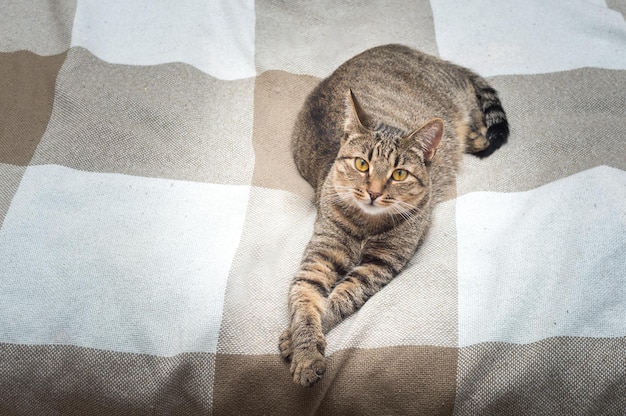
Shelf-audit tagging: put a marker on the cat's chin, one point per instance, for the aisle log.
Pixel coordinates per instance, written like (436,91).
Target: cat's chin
(370,209)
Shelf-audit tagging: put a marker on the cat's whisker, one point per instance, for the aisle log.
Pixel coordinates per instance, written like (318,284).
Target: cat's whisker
(405,205)
(399,209)
(347,192)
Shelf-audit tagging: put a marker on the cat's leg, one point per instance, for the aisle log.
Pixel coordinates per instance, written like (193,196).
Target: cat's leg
(304,342)
(380,263)
(352,292)
(326,256)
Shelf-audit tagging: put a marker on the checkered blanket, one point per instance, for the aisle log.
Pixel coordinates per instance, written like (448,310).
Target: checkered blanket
(151,217)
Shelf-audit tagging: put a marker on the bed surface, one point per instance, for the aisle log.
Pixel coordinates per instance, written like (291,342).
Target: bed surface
(151,217)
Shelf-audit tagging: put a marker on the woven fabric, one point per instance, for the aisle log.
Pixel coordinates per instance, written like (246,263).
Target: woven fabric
(151,215)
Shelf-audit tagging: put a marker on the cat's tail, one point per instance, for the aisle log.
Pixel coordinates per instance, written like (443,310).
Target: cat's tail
(494,116)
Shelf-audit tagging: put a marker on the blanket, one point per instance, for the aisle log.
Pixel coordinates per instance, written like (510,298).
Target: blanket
(151,216)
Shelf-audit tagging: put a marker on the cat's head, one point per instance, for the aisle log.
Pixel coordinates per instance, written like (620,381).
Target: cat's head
(383,170)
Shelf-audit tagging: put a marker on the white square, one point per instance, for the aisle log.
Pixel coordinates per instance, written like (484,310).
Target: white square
(495,38)
(278,226)
(215,36)
(117,262)
(544,263)
(419,306)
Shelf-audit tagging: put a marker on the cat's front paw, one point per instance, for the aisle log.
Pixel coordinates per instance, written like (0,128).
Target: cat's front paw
(307,361)
(307,367)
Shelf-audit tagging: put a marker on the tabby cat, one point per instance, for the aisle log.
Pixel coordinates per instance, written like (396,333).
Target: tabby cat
(380,140)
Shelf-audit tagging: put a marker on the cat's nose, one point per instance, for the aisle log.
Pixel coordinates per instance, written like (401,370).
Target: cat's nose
(374,195)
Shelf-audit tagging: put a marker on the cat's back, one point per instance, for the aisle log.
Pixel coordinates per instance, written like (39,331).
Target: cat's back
(398,85)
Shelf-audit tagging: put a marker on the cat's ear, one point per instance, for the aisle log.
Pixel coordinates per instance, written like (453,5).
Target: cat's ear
(428,137)
(354,116)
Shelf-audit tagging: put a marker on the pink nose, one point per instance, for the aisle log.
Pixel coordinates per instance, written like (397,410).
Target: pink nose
(374,195)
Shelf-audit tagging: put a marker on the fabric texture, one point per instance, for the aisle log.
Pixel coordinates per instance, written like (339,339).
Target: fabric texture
(151,216)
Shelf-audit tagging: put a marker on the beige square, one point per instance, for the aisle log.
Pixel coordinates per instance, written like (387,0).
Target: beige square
(278,98)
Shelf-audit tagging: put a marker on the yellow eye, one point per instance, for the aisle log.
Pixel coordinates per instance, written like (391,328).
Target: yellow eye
(361,164)
(399,174)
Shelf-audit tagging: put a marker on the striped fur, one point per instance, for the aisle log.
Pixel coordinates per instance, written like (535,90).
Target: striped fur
(494,117)
(380,140)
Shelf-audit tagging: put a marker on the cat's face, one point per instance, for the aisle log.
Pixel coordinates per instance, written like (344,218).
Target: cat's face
(380,174)
(383,171)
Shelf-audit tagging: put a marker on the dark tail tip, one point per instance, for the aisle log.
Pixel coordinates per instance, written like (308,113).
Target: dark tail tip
(497,135)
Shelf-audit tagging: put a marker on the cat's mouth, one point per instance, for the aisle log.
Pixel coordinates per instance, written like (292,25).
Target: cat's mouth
(364,202)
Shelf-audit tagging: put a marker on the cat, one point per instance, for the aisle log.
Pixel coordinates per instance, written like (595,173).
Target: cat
(380,140)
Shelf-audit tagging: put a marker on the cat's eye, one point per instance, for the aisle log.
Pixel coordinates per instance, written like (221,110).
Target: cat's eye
(361,164)
(399,174)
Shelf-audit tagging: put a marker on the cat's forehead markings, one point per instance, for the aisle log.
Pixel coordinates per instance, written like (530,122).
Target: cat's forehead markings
(376,150)
(384,150)
(396,160)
